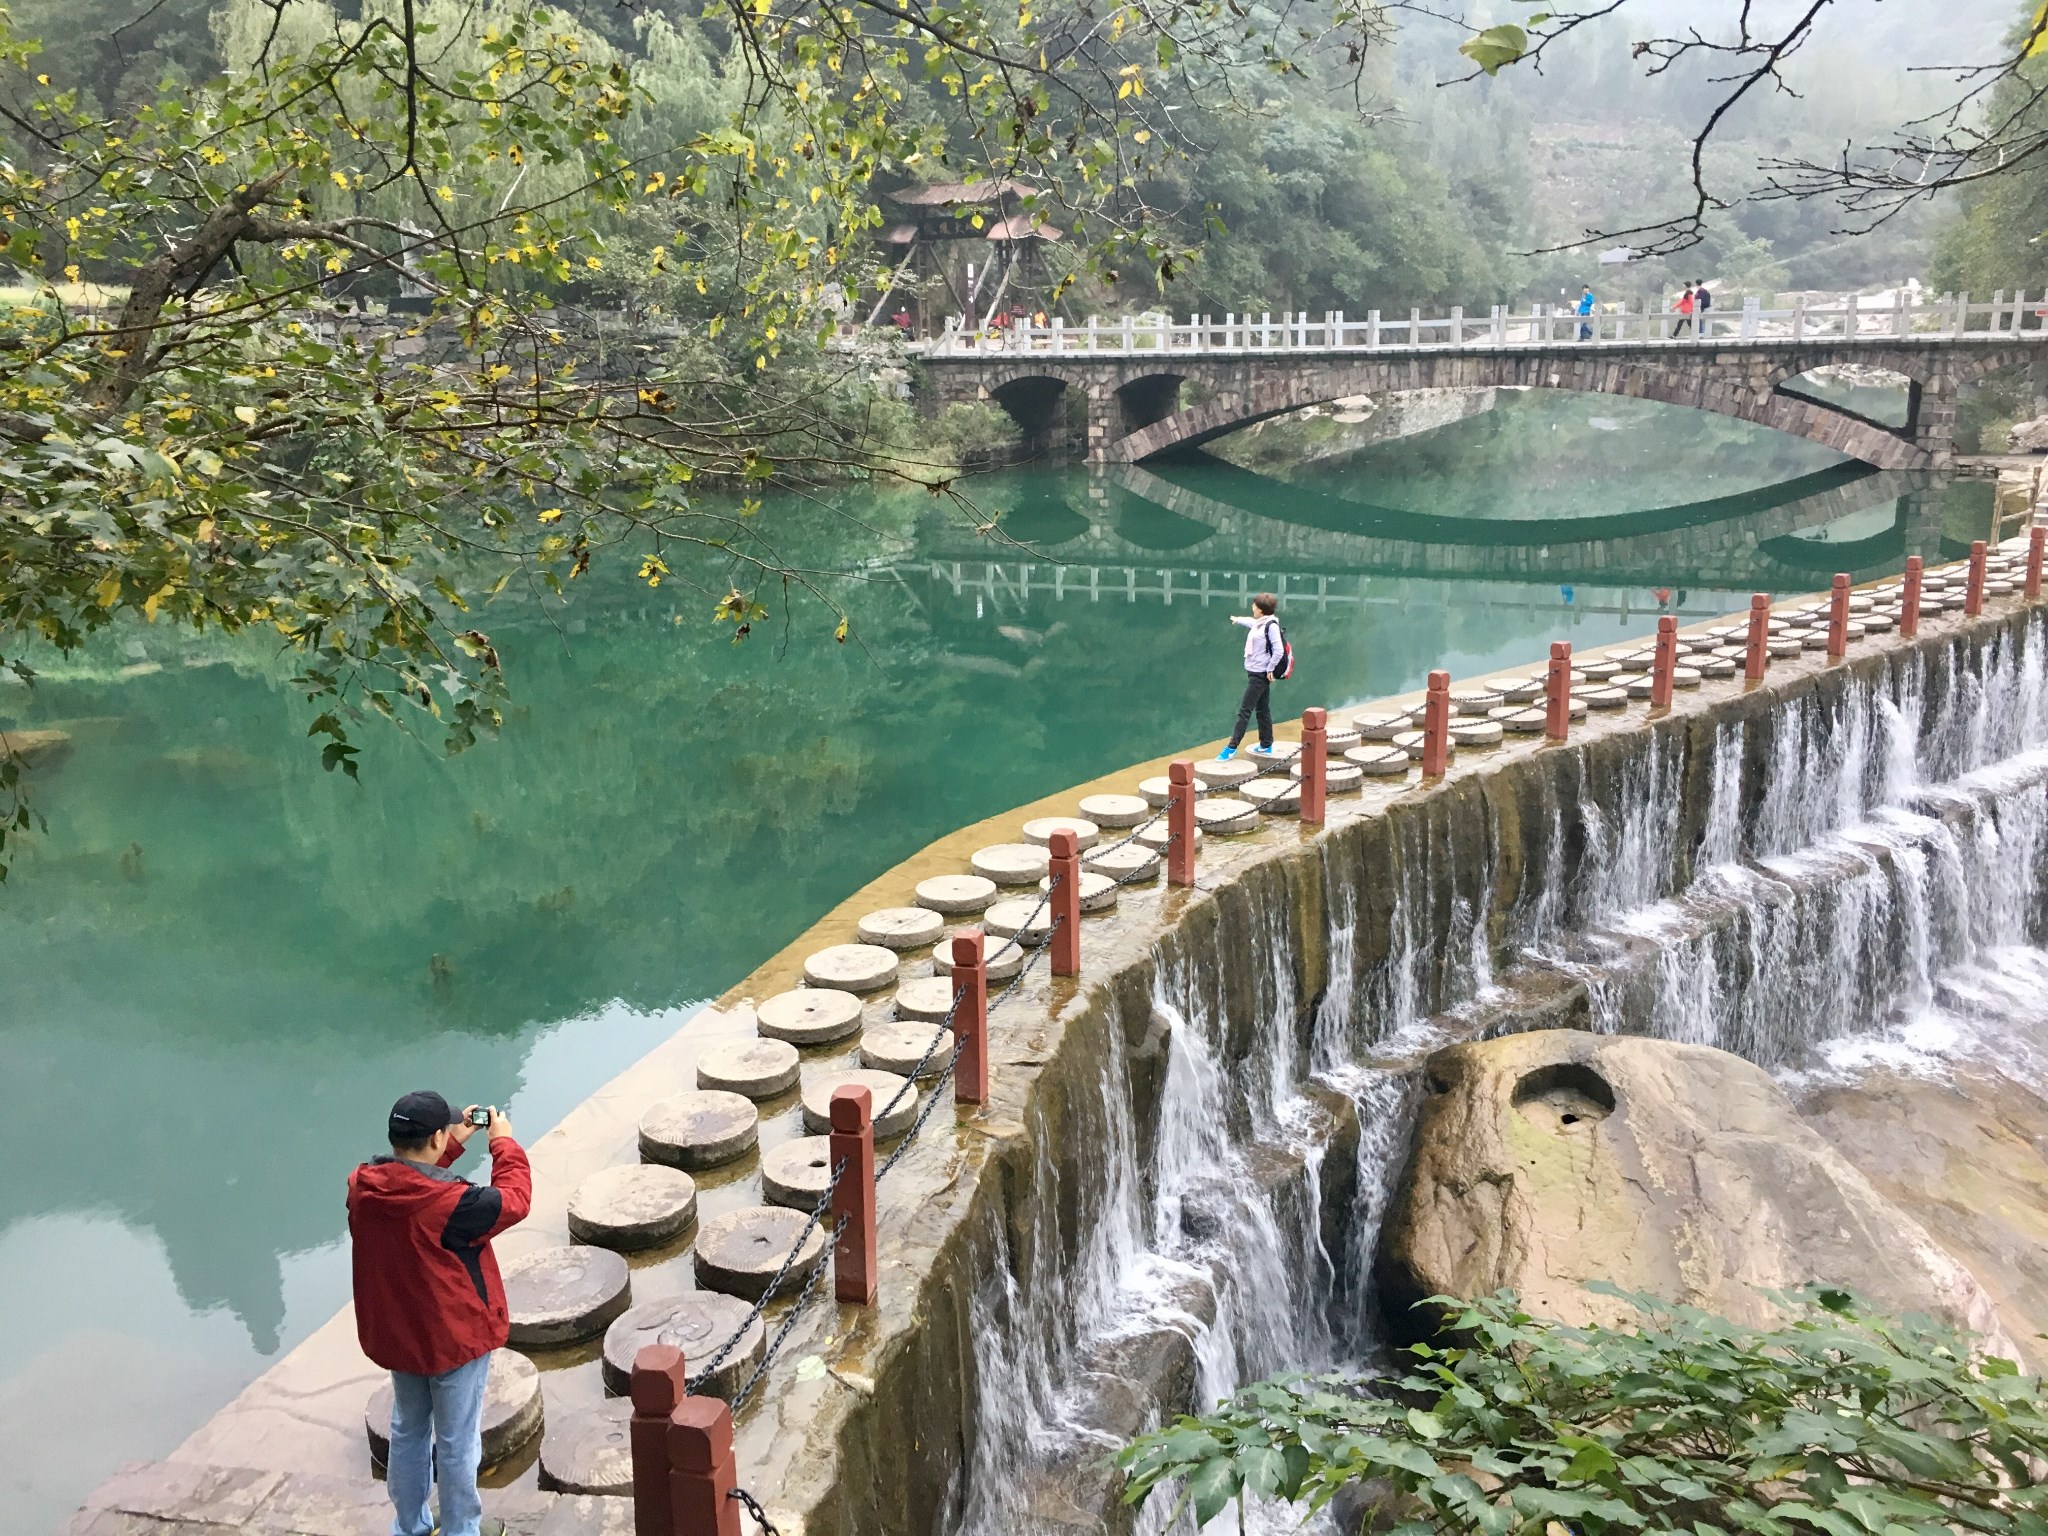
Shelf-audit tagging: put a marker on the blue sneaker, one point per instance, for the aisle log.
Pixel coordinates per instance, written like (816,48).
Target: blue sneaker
(1226,754)
(1262,751)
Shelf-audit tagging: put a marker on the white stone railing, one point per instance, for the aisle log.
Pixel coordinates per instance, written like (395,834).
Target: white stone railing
(1903,319)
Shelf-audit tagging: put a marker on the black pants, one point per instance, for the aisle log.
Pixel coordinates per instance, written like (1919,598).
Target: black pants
(1258,695)
(1679,329)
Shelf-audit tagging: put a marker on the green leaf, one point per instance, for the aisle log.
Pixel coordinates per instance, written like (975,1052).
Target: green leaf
(1212,1486)
(1496,47)
(1426,1425)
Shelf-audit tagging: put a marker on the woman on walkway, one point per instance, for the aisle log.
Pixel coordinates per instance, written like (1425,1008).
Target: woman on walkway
(1684,308)
(1263,652)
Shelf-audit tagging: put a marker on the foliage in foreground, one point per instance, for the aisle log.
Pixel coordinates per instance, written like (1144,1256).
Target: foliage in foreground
(1839,1421)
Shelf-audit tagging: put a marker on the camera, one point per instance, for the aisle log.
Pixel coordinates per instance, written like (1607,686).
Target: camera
(480,1117)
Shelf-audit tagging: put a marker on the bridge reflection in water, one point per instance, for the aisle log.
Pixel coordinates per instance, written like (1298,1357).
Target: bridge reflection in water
(1210,532)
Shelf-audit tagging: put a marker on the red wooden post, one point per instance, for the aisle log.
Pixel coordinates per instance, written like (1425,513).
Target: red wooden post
(1838,618)
(1973,594)
(702,1475)
(1759,637)
(1909,605)
(1665,665)
(970,1016)
(1063,903)
(1557,692)
(1315,762)
(657,1388)
(1436,725)
(853,1197)
(2037,543)
(1180,823)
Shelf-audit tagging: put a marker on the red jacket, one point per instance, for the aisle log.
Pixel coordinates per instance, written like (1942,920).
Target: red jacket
(428,1296)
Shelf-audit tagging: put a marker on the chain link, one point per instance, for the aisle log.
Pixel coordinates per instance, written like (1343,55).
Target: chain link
(753,1508)
(761,1303)
(789,1318)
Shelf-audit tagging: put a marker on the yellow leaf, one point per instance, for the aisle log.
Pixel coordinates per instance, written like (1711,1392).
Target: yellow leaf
(839,634)
(246,415)
(340,180)
(2038,30)
(595,263)
(204,532)
(552,515)
(446,194)
(149,604)
(334,263)
(108,591)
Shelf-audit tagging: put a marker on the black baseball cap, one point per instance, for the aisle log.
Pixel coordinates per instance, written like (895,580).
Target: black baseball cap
(419,1115)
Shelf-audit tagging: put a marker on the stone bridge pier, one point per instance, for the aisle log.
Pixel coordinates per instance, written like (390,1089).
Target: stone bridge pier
(1141,404)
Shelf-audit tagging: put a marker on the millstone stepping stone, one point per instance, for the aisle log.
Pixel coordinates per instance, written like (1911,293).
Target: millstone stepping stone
(796,1172)
(1475,701)
(1337,739)
(1038,832)
(928,997)
(1221,775)
(1999,589)
(699,1130)
(1814,640)
(852,967)
(1699,645)
(698,1323)
(1602,671)
(1132,862)
(1158,791)
(1875,623)
(1116,810)
(1411,743)
(1379,725)
(561,1295)
(1523,722)
(899,1047)
(956,895)
(1784,648)
(902,927)
(1685,677)
(1858,603)
(1227,815)
(1277,797)
(1930,604)
(1098,890)
(1000,958)
(739,1253)
(1717,666)
(1026,919)
(754,1069)
(1012,863)
(1277,760)
(1338,777)
(1856,629)
(640,1205)
(1630,681)
(1523,691)
(1476,733)
(589,1450)
(809,1016)
(511,1417)
(1380,762)
(882,1086)
(1735,653)
(1603,698)
(1159,834)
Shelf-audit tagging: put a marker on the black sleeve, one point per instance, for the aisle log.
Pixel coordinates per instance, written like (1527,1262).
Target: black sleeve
(475,1214)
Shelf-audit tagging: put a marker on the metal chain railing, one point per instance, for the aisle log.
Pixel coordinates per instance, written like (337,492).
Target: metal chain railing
(753,1508)
(761,1302)
(790,1317)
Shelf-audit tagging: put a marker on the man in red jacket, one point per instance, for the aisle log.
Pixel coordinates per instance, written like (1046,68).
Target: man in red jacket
(430,1307)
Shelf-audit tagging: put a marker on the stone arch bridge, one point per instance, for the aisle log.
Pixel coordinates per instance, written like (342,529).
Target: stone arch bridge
(1202,380)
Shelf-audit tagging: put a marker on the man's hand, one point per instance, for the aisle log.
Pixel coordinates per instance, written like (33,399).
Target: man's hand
(462,1130)
(501,1125)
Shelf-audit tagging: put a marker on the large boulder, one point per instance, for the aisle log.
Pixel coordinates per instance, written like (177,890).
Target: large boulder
(2029,436)
(1546,1160)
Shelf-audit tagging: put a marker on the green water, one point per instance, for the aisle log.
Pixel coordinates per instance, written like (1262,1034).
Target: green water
(223,964)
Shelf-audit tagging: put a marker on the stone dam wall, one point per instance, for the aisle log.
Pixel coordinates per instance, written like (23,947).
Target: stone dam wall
(1177,1182)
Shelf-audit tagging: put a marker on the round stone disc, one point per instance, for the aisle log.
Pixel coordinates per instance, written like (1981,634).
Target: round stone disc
(1098,891)
(1877,623)
(1342,776)
(1524,691)
(639,1205)
(1379,725)
(1159,834)
(560,1295)
(851,967)
(1277,760)
(1631,681)
(1998,588)
(1685,677)
(512,1409)
(754,1069)
(928,998)
(809,1016)
(796,1172)
(1814,640)
(738,1253)
(902,927)
(1116,810)
(1716,666)
(1784,649)
(1218,774)
(1603,698)
(1026,919)
(1381,762)
(1523,722)
(1133,861)
(1002,959)
(696,1322)
(899,1047)
(588,1450)
(1012,863)
(1476,733)
(1474,701)
(1158,791)
(956,894)
(1038,832)
(881,1086)
(1336,738)
(698,1130)
(1227,815)
(1601,671)
(1276,797)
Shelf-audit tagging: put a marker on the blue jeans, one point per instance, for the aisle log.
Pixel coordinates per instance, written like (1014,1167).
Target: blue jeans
(437,1435)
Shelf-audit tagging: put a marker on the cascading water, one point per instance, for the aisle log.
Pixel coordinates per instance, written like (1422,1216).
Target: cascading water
(1869,853)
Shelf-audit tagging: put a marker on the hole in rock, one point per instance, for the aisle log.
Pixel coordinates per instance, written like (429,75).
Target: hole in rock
(1565,1093)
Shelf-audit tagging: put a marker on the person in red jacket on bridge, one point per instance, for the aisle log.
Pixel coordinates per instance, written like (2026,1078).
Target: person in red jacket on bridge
(430,1307)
